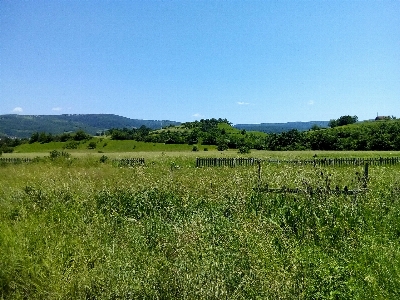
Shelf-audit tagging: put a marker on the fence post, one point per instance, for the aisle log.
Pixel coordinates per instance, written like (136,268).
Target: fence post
(259,173)
(365,175)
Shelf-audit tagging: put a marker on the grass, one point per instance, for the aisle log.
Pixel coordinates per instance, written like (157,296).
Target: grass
(78,228)
(106,145)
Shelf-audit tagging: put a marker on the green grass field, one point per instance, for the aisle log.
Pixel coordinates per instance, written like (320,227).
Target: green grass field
(77,228)
(108,146)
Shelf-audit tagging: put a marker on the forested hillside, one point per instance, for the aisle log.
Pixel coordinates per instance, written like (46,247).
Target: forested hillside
(368,135)
(282,127)
(23,126)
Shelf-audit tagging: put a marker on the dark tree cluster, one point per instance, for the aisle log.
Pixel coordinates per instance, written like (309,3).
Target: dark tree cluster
(137,134)
(7,144)
(218,132)
(343,120)
(374,135)
(43,137)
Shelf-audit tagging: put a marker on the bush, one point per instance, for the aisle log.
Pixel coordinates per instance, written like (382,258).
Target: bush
(195,148)
(6,149)
(71,145)
(92,145)
(103,159)
(80,135)
(222,147)
(55,154)
(244,149)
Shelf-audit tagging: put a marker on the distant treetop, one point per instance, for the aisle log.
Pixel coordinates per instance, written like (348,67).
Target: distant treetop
(343,120)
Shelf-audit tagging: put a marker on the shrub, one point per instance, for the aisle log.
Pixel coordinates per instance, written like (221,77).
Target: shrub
(71,145)
(244,149)
(222,147)
(103,159)
(195,148)
(55,154)
(92,145)
(6,149)
(80,135)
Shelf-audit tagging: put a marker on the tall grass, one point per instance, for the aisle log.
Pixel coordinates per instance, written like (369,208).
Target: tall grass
(78,228)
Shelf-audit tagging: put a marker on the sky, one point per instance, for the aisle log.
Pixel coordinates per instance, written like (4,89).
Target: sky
(247,61)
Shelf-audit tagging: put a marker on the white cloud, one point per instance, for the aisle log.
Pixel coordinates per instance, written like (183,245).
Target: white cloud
(243,103)
(56,108)
(17,110)
(197,115)
(311,102)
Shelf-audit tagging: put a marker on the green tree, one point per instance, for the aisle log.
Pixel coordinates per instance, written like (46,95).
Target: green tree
(343,120)
(80,135)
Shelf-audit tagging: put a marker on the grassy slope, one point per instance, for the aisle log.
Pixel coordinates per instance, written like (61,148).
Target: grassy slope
(107,146)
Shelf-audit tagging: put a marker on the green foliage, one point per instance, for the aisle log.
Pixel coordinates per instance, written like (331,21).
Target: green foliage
(6,149)
(315,127)
(222,146)
(56,154)
(139,134)
(376,136)
(23,126)
(80,135)
(44,138)
(244,149)
(71,145)
(195,148)
(343,120)
(103,158)
(92,145)
(7,144)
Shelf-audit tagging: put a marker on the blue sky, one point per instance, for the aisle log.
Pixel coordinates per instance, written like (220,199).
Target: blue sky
(247,61)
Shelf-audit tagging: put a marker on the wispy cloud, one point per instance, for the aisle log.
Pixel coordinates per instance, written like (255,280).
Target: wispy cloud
(197,115)
(311,102)
(56,108)
(17,110)
(243,103)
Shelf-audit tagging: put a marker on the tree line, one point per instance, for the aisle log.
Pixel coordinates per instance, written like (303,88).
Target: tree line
(373,135)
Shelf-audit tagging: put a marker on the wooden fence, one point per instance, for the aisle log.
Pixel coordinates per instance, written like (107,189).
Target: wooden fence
(14,160)
(233,162)
(128,162)
(342,161)
(222,162)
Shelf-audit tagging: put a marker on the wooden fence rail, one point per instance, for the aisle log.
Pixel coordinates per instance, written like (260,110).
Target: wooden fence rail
(14,160)
(233,162)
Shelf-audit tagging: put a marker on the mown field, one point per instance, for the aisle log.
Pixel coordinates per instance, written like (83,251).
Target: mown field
(76,228)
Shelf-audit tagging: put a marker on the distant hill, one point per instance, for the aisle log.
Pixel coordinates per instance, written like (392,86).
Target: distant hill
(281,127)
(22,126)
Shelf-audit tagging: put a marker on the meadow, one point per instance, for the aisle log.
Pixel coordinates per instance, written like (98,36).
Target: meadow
(75,227)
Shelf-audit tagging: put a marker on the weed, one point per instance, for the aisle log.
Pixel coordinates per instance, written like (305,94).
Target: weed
(169,230)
